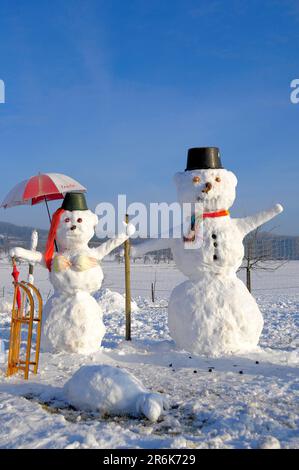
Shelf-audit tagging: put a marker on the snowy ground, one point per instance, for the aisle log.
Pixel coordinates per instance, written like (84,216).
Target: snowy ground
(231,402)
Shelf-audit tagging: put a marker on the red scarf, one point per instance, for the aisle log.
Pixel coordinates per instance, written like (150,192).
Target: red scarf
(49,252)
(215,214)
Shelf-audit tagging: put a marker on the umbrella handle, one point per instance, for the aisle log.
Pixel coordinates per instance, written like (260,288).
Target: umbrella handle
(50,218)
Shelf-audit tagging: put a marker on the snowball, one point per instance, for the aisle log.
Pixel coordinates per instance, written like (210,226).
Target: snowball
(75,239)
(72,324)
(221,196)
(269,442)
(113,391)
(217,323)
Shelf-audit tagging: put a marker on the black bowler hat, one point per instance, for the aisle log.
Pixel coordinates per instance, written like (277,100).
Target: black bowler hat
(74,202)
(203,158)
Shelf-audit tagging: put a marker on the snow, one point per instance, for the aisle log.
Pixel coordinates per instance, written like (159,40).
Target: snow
(218,409)
(112,391)
(112,302)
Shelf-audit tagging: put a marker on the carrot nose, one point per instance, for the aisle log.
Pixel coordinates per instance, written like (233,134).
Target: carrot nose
(207,188)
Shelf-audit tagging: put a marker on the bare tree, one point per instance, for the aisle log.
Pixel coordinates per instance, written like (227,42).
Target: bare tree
(260,254)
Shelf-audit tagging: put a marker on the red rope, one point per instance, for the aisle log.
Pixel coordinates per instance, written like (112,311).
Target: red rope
(49,252)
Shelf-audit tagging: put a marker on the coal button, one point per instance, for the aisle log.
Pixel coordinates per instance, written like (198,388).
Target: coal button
(215,244)
(215,257)
(214,236)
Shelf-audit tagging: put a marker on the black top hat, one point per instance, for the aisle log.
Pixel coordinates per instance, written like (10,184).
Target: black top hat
(203,158)
(74,202)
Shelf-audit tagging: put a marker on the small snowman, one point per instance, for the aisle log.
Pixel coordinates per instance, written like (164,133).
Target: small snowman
(72,318)
(212,312)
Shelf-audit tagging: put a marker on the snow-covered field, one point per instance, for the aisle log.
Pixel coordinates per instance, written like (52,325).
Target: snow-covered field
(231,402)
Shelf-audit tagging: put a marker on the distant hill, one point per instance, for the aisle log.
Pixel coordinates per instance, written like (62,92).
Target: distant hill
(275,246)
(24,233)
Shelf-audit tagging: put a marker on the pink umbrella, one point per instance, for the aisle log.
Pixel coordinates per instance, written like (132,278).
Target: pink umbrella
(41,188)
(49,186)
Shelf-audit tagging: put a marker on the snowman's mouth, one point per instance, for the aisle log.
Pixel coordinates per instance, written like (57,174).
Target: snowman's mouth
(72,234)
(204,196)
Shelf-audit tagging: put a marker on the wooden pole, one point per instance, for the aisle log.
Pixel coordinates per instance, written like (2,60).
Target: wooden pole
(128,286)
(33,247)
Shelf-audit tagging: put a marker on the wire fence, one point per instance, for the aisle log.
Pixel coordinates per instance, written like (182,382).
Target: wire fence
(158,280)
(165,276)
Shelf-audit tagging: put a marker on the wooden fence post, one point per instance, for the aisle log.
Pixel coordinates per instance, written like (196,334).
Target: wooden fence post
(128,286)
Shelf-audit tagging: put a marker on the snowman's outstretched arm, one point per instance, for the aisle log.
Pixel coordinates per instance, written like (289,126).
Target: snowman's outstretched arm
(150,245)
(250,223)
(31,256)
(110,245)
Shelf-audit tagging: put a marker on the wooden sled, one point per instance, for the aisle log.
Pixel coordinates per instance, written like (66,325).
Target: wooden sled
(23,318)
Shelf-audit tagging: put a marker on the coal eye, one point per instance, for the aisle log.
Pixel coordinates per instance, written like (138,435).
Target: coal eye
(67,220)
(218,179)
(79,221)
(196,180)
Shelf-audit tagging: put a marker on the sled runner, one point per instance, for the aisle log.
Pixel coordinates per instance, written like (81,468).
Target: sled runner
(27,303)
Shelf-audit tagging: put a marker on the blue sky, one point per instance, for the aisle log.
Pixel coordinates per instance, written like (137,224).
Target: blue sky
(114,92)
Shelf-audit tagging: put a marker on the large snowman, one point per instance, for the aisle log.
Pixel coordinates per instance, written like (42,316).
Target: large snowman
(72,319)
(212,312)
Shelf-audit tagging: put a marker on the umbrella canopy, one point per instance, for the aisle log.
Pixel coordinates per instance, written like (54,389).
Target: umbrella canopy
(41,188)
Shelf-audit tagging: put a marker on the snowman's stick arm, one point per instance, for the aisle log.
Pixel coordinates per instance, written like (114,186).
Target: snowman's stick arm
(110,245)
(27,255)
(250,223)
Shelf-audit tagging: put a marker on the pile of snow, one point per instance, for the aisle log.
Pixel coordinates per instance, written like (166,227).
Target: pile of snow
(113,391)
(269,442)
(5,306)
(113,302)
